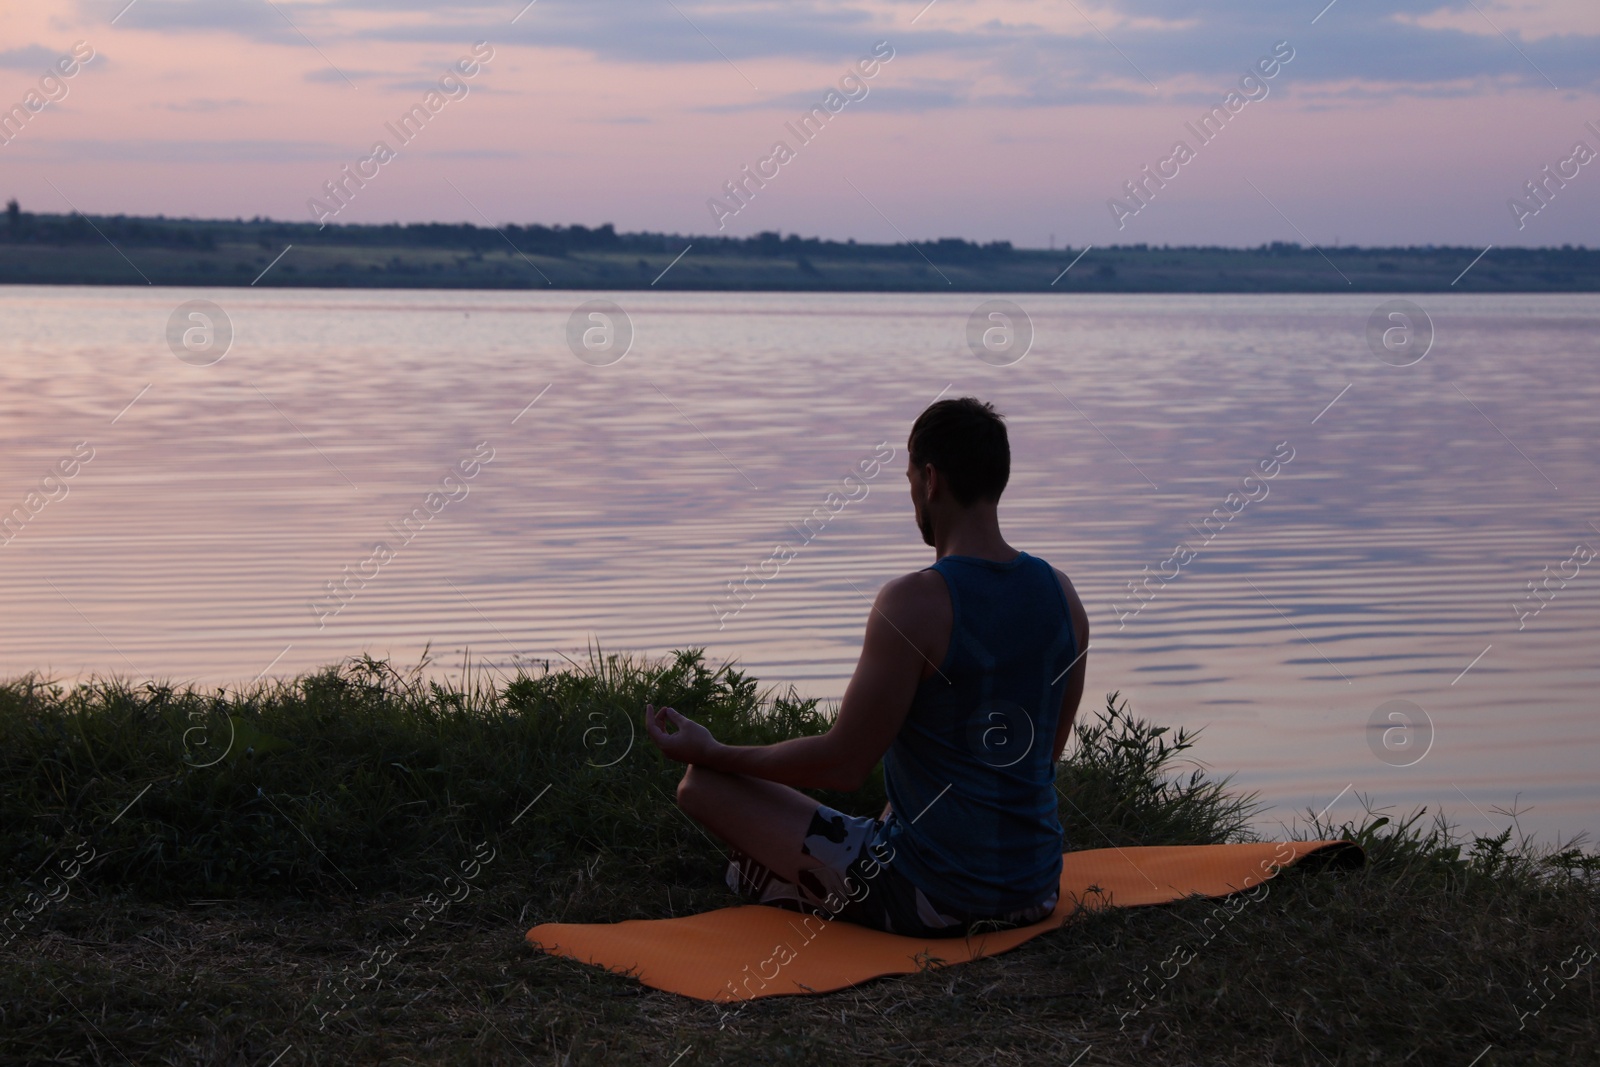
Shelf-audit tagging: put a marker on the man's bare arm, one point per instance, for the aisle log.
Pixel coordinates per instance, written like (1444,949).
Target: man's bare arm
(875,706)
(1075,677)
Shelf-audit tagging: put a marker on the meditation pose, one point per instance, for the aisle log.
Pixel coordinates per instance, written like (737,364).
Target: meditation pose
(968,682)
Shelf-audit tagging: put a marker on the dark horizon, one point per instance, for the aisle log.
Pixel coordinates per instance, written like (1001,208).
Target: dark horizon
(609,227)
(79,249)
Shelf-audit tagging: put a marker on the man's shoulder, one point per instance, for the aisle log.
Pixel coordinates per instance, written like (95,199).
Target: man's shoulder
(1075,608)
(1061,579)
(915,600)
(917,608)
(916,588)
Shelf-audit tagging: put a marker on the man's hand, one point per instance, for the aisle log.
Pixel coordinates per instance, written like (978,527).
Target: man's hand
(690,743)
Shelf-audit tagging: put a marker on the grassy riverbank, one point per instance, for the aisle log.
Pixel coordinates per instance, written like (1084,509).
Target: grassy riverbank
(193,876)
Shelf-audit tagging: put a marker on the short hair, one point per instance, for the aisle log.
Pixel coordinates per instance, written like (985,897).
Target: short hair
(965,440)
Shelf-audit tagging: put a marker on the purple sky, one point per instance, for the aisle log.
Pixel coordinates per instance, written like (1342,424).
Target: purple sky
(1392,123)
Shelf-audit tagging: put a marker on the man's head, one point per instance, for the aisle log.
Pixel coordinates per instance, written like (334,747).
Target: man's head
(960,459)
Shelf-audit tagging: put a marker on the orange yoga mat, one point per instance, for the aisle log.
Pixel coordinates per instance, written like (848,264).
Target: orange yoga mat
(751,951)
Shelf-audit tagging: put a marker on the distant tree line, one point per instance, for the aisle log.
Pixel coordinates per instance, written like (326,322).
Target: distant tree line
(206,235)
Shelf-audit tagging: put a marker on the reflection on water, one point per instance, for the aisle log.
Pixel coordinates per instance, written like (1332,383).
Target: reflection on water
(222,521)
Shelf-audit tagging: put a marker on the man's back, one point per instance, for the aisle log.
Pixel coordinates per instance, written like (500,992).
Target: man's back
(970,774)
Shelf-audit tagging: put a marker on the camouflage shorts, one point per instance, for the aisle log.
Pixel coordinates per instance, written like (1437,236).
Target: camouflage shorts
(856,880)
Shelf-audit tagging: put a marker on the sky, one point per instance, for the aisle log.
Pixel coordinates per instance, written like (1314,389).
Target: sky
(1393,123)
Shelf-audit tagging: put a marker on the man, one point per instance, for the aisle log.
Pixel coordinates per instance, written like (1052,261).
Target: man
(970,675)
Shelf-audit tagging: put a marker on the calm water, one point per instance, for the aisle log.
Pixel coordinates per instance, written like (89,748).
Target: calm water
(1385,562)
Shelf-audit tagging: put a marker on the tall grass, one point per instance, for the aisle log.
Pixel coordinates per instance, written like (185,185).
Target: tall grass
(351,778)
(363,777)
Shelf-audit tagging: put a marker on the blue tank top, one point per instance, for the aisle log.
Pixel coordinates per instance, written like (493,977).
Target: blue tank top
(970,775)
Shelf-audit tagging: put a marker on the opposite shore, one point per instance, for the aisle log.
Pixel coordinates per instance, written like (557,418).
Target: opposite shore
(44,249)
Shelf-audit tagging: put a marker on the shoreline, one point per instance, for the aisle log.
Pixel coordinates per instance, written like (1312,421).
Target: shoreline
(44,249)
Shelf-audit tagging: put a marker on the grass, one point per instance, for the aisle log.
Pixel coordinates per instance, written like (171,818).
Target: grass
(227,877)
